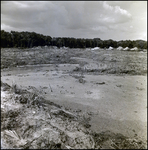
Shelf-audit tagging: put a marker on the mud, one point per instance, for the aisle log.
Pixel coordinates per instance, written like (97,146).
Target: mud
(33,126)
(73,98)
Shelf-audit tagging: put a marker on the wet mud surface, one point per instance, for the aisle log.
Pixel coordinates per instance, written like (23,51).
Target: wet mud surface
(73,99)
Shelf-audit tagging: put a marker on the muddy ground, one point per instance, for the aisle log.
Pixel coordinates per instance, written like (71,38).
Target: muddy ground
(81,98)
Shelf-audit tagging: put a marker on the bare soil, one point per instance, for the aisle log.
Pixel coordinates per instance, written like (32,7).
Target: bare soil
(73,98)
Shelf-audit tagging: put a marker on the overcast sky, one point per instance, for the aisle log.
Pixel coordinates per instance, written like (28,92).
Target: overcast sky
(117,20)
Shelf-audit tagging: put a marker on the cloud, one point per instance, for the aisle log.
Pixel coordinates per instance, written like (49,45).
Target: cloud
(107,6)
(73,18)
(115,14)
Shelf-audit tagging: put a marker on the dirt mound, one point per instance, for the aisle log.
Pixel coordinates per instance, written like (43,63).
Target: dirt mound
(96,62)
(28,122)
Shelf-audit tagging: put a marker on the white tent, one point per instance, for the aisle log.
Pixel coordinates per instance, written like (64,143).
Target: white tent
(95,48)
(134,49)
(110,48)
(120,48)
(126,48)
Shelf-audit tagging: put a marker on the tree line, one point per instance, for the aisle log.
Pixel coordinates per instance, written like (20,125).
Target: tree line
(31,39)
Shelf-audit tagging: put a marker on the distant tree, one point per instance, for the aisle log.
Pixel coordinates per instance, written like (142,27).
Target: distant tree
(108,43)
(16,38)
(72,43)
(140,44)
(59,42)
(119,43)
(54,41)
(30,39)
(47,40)
(5,39)
(130,43)
(88,43)
(98,43)
(81,43)
(65,41)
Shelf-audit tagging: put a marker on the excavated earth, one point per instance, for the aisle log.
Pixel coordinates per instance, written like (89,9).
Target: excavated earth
(73,98)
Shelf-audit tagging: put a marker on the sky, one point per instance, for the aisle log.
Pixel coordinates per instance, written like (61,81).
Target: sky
(117,20)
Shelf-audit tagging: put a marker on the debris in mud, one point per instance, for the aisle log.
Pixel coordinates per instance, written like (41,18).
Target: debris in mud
(50,88)
(139,88)
(89,92)
(118,85)
(81,80)
(100,83)
(8,74)
(78,76)
(77,69)
(63,113)
(5,87)
(23,100)
(16,89)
